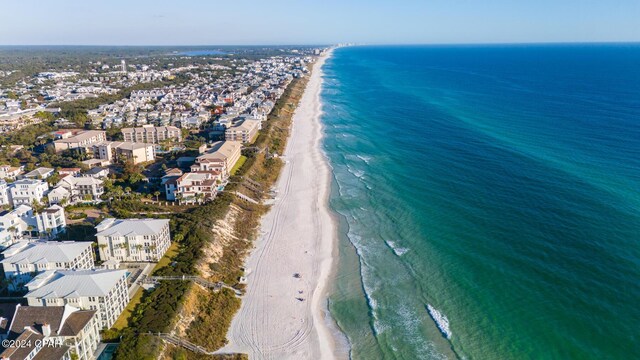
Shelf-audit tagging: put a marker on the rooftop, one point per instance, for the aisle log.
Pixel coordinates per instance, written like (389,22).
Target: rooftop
(124,227)
(74,283)
(42,252)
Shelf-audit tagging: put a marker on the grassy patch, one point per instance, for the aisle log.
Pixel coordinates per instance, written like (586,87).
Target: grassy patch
(238,164)
(123,320)
(167,258)
(215,312)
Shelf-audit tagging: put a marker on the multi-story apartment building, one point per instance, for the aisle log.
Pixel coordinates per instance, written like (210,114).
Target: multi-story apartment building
(222,156)
(133,239)
(101,290)
(83,139)
(151,134)
(52,333)
(244,131)
(24,259)
(26,191)
(123,151)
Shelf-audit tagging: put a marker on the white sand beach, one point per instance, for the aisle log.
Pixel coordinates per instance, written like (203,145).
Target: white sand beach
(298,236)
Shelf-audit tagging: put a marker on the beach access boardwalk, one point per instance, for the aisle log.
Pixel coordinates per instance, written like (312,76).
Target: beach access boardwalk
(245,197)
(216,286)
(172,339)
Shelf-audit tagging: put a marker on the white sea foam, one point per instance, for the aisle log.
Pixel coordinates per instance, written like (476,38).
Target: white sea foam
(411,323)
(399,251)
(355,172)
(358,173)
(441,321)
(364,158)
(378,326)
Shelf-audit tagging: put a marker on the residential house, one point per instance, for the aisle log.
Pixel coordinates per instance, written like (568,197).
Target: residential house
(91,163)
(197,186)
(133,239)
(10,172)
(59,195)
(97,173)
(69,171)
(4,193)
(52,333)
(101,290)
(40,173)
(27,191)
(169,181)
(22,222)
(81,189)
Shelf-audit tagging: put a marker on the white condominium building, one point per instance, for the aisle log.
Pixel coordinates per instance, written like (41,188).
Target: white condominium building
(244,131)
(83,139)
(101,290)
(222,156)
(133,239)
(24,259)
(123,151)
(152,134)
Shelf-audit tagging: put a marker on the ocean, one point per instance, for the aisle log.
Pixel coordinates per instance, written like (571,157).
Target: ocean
(498,184)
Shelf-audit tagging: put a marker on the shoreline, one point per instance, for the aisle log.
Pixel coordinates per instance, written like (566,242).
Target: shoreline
(284,315)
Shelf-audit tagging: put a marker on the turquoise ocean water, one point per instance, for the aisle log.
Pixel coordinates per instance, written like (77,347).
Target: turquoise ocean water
(501,185)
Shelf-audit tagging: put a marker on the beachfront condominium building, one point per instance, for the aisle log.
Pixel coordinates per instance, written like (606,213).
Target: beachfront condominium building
(199,186)
(152,134)
(51,333)
(22,260)
(133,239)
(27,191)
(101,290)
(222,156)
(170,183)
(244,131)
(81,140)
(125,151)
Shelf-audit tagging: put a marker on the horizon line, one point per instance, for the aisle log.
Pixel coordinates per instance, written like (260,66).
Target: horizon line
(335,44)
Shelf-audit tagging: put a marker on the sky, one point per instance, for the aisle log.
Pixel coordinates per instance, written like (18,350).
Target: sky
(261,22)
